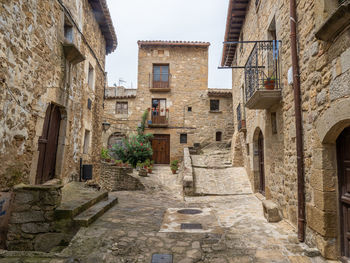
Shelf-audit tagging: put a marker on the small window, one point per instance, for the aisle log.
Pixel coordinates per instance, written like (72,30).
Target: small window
(274,122)
(86,142)
(218,136)
(214,105)
(68,30)
(247,145)
(122,108)
(91,77)
(189,109)
(183,138)
(89,104)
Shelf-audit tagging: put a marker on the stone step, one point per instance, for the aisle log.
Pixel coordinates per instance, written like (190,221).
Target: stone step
(81,202)
(90,215)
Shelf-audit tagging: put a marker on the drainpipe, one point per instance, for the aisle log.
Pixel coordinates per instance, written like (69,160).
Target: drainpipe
(298,121)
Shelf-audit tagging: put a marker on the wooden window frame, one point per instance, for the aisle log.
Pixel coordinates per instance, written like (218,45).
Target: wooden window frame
(211,105)
(122,111)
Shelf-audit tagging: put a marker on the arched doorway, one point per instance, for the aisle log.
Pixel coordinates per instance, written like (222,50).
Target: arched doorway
(343,159)
(48,144)
(115,138)
(261,163)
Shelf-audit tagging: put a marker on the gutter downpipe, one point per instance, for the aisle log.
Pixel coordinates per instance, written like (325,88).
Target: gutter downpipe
(298,121)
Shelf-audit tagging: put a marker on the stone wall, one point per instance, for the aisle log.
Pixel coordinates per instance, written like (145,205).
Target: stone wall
(187,173)
(115,178)
(188,66)
(324,76)
(32,225)
(34,74)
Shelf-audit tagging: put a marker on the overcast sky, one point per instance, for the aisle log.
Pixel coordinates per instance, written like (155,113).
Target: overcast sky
(189,20)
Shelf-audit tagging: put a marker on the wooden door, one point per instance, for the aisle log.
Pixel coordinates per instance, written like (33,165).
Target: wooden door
(48,142)
(343,157)
(218,136)
(261,163)
(161,149)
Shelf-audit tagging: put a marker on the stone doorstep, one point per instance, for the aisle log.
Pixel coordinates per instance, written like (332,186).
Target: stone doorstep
(90,215)
(71,209)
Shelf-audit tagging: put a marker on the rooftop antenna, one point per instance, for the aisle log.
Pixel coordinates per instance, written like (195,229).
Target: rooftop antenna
(121,80)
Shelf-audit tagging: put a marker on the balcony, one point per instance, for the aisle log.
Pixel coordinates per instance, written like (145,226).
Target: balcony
(159,119)
(262,76)
(240,120)
(159,82)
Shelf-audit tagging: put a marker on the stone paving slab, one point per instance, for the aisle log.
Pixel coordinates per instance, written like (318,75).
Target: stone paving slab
(229,181)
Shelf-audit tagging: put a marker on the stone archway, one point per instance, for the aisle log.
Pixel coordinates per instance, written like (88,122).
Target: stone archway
(325,177)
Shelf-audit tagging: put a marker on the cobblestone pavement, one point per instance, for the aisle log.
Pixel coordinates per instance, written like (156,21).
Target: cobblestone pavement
(134,230)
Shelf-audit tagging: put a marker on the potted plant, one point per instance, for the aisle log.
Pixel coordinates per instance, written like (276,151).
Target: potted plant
(138,166)
(269,83)
(143,170)
(105,155)
(174,166)
(118,163)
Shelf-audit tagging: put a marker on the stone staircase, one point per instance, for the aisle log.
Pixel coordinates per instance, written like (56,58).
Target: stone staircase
(81,206)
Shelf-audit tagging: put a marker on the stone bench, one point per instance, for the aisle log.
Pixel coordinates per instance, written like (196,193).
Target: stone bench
(271,211)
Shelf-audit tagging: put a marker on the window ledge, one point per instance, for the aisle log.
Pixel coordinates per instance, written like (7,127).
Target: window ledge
(72,53)
(335,24)
(215,111)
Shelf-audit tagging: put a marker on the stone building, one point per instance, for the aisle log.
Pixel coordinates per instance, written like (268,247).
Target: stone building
(52,78)
(173,87)
(258,48)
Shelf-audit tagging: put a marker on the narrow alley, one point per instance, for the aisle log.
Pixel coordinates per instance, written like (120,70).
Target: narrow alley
(148,223)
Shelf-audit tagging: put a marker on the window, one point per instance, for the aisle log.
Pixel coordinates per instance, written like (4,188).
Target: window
(214,105)
(159,107)
(86,142)
(274,122)
(160,76)
(189,109)
(218,136)
(91,77)
(89,104)
(121,108)
(183,138)
(68,30)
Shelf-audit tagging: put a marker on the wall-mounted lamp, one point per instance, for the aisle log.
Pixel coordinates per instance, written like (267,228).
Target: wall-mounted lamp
(106,125)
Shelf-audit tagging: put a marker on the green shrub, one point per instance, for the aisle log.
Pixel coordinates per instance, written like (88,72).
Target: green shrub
(174,165)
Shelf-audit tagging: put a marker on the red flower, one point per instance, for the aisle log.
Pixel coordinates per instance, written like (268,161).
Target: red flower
(141,144)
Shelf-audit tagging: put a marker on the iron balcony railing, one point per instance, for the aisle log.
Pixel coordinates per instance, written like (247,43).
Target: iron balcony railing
(159,117)
(240,119)
(159,81)
(262,70)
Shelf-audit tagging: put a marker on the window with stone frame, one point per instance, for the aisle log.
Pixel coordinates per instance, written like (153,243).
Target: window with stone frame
(183,138)
(91,77)
(122,107)
(68,30)
(86,145)
(214,105)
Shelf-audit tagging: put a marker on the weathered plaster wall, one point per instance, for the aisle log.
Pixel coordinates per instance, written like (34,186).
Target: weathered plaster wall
(32,67)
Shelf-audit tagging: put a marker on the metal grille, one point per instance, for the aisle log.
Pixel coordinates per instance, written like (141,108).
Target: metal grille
(262,67)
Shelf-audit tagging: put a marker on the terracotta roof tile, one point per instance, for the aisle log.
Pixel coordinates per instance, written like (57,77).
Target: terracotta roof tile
(172,43)
(104,19)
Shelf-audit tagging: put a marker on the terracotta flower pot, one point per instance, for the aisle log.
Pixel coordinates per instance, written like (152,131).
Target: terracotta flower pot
(269,84)
(173,171)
